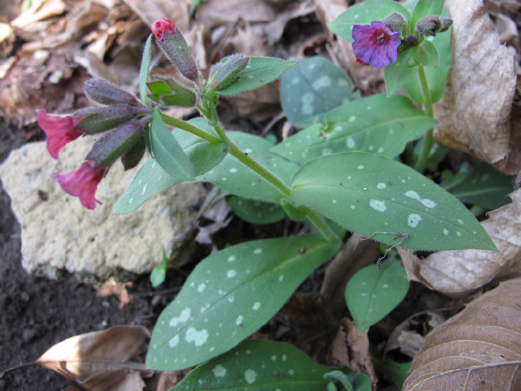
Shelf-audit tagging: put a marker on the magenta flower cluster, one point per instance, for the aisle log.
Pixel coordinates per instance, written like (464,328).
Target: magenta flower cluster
(375,44)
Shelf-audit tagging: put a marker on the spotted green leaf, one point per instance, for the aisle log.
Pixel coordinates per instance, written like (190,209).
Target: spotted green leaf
(365,13)
(167,151)
(258,365)
(349,380)
(376,124)
(312,88)
(371,293)
(229,295)
(258,72)
(378,197)
(436,77)
(255,212)
(151,179)
(237,179)
(143,72)
(483,186)
(424,8)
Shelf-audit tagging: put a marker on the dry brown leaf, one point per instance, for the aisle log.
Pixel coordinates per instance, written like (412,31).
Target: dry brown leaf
(259,104)
(351,349)
(151,10)
(97,361)
(479,349)
(474,111)
(275,29)
(214,13)
(461,271)
(112,287)
(34,14)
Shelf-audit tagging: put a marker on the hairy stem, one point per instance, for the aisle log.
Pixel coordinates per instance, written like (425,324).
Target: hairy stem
(429,139)
(190,128)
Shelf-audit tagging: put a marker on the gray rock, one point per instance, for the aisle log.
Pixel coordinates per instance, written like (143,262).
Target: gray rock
(59,234)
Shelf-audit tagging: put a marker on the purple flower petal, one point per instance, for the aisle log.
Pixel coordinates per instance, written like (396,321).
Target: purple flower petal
(375,44)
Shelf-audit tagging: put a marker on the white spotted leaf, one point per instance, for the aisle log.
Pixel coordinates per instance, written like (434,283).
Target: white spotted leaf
(143,72)
(376,124)
(229,295)
(388,201)
(255,212)
(151,179)
(259,365)
(167,151)
(365,13)
(234,177)
(258,72)
(371,293)
(312,88)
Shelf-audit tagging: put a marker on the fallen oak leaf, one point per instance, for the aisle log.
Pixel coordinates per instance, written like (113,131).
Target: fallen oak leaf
(461,271)
(97,361)
(479,349)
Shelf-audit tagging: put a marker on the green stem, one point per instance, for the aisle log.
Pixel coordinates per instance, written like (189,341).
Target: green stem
(190,128)
(429,139)
(318,221)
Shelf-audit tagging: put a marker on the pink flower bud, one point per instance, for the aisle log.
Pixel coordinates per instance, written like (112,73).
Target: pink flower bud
(59,130)
(82,183)
(162,25)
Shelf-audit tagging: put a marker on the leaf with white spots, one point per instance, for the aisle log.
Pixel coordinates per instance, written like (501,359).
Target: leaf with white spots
(388,201)
(167,151)
(255,212)
(151,179)
(483,186)
(260,365)
(258,72)
(234,177)
(365,13)
(376,124)
(312,88)
(229,295)
(371,293)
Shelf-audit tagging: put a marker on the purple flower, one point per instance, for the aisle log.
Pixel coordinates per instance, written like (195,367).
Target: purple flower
(375,44)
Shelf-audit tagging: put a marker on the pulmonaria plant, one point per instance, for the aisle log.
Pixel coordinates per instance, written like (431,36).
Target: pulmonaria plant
(337,175)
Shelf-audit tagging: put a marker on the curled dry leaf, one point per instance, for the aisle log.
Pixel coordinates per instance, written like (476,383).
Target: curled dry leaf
(97,361)
(479,349)
(461,271)
(474,112)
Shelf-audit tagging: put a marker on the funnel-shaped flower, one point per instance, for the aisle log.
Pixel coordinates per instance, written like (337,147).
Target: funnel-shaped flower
(82,183)
(375,44)
(59,130)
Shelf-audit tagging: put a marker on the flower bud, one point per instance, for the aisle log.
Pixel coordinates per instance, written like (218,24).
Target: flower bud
(172,43)
(106,93)
(226,72)
(433,24)
(395,22)
(100,119)
(117,142)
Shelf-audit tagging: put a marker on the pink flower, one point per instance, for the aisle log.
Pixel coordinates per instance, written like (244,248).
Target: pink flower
(375,44)
(82,183)
(162,25)
(59,130)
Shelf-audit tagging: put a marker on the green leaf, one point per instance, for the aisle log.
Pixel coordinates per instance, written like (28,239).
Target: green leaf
(376,124)
(436,154)
(255,212)
(428,54)
(371,293)
(167,151)
(158,275)
(237,179)
(350,381)
(171,93)
(378,197)
(260,71)
(229,295)
(160,88)
(436,77)
(312,88)
(258,365)
(397,372)
(365,13)
(424,8)
(143,72)
(151,179)
(399,73)
(484,186)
